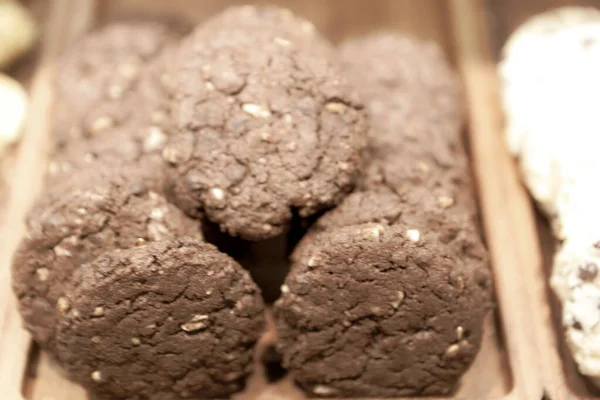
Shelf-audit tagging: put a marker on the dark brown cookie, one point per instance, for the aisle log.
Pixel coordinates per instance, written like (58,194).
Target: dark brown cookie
(135,125)
(168,320)
(269,126)
(411,83)
(76,221)
(98,77)
(387,293)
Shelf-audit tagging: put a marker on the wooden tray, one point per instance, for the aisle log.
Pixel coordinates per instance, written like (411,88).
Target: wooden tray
(520,355)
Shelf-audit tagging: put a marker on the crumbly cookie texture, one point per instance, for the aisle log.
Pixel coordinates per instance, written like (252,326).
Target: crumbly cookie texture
(98,77)
(166,320)
(263,133)
(418,78)
(550,87)
(74,223)
(387,292)
(121,77)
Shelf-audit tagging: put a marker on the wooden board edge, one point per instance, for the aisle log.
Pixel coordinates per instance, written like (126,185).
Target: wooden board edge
(66,20)
(508,217)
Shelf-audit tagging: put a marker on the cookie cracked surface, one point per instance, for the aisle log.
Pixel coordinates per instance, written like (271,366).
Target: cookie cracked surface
(168,320)
(388,292)
(264,133)
(113,94)
(74,223)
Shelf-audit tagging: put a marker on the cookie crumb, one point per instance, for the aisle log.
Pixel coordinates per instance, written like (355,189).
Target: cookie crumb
(63,304)
(98,312)
(217,194)
(101,124)
(423,166)
(158,117)
(115,92)
(414,235)
(282,42)
(399,300)
(335,107)
(42,273)
(155,140)
(62,252)
(445,201)
(197,323)
(267,227)
(452,350)
(96,339)
(323,390)
(96,376)
(128,71)
(136,341)
(313,261)
(256,110)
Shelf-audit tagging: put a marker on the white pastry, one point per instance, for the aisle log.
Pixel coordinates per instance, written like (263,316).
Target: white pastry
(551,92)
(13,103)
(17,31)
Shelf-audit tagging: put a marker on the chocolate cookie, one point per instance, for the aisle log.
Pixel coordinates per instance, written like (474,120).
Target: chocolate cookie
(168,320)
(73,223)
(134,126)
(269,127)
(387,293)
(98,75)
(413,87)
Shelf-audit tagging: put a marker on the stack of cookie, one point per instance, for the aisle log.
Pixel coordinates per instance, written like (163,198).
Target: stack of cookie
(252,123)
(550,84)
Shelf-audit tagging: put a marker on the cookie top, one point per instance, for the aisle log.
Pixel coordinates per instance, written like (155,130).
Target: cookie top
(378,310)
(263,132)
(98,76)
(85,216)
(168,320)
(141,132)
(406,83)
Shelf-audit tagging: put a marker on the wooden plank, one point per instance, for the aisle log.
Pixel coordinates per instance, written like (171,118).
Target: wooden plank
(27,178)
(507,214)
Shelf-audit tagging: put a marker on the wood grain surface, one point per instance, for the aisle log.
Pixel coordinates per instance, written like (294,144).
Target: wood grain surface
(514,362)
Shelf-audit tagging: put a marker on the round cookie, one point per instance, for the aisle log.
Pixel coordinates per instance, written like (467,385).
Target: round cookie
(168,320)
(388,292)
(73,223)
(411,91)
(140,136)
(381,310)
(264,133)
(98,78)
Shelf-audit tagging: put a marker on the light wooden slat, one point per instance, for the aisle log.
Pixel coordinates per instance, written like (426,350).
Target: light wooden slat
(507,214)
